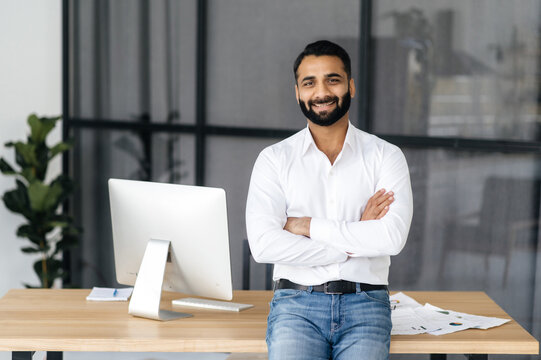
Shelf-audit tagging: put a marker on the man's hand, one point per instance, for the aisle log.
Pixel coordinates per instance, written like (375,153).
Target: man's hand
(298,226)
(378,205)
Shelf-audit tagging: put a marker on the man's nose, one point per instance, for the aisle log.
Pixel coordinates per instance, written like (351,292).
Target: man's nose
(322,90)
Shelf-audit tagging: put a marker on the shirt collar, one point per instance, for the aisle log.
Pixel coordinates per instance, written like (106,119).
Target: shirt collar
(309,140)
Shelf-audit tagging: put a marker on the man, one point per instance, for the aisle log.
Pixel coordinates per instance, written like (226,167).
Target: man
(328,206)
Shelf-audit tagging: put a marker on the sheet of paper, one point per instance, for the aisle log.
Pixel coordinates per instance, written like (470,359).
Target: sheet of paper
(109,294)
(442,321)
(406,322)
(410,318)
(401,300)
(481,322)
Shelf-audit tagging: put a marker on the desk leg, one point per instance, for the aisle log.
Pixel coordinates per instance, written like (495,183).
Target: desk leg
(54,355)
(22,355)
(27,355)
(468,356)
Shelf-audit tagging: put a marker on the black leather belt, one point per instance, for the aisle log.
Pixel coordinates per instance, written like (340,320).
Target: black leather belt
(332,287)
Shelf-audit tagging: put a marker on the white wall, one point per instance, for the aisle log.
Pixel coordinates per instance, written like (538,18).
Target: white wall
(30,81)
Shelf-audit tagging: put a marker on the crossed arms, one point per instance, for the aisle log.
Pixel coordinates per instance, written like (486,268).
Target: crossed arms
(376,208)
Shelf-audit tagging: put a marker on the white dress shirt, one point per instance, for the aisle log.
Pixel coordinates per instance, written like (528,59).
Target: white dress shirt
(293,178)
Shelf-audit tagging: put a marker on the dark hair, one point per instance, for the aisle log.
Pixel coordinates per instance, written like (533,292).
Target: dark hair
(324,47)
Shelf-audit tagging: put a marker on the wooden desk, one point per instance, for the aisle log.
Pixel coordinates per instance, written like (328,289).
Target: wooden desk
(62,320)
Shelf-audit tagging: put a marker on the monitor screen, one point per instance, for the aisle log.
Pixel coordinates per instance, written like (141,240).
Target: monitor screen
(192,223)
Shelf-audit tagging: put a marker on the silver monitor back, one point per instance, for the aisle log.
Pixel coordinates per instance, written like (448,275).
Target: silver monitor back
(192,218)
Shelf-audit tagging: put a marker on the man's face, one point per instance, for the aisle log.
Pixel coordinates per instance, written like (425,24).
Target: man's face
(323,90)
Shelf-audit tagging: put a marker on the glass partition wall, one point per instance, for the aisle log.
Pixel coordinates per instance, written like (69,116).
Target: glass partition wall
(190,91)
(456,84)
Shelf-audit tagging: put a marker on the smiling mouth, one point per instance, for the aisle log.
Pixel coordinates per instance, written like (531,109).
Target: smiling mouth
(323,106)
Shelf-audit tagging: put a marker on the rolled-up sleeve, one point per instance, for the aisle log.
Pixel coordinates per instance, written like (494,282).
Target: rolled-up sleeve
(371,238)
(266,217)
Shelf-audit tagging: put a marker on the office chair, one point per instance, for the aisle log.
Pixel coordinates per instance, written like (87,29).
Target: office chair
(508,218)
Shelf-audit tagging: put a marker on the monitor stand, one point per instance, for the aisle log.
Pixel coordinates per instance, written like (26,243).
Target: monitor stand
(147,292)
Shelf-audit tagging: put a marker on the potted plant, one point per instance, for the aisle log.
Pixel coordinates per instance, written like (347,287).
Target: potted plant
(39,201)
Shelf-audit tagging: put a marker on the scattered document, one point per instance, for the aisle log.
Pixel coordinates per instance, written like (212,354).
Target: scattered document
(109,294)
(441,321)
(406,322)
(401,301)
(475,321)
(410,318)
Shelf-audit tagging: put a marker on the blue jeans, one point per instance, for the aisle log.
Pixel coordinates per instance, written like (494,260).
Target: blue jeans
(312,325)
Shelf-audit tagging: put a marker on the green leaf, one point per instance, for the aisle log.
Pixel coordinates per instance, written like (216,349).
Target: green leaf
(40,127)
(40,267)
(42,161)
(67,186)
(59,220)
(17,200)
(29,174)
(65,181)
(30,250)
(61,224)
(31,233)
(70,237)
(25,154)
(37,193)
(49,272)
(54,265)
(59,148)
(24,230)
(42,197)
(6,168)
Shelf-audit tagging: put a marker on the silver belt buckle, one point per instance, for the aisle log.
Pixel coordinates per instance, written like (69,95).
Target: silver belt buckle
(326,290)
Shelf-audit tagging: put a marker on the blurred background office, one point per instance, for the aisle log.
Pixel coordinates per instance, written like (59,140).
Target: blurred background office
(189,92)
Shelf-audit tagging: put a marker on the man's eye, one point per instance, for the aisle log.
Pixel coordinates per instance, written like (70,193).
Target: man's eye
(334,81)
(308,83)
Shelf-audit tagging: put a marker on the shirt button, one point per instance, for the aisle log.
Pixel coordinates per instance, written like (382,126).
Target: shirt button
(331,173)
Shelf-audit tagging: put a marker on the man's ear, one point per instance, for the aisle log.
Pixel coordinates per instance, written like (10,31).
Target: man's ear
(297,93)
(352,88)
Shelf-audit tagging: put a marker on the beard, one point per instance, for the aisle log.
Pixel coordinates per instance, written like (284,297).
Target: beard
(326,118)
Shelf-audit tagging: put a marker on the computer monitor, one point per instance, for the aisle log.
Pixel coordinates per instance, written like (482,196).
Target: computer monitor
(171,237)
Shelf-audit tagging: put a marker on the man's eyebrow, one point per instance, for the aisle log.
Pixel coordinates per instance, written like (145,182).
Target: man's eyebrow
(333,75)
(330,75)
(308,78)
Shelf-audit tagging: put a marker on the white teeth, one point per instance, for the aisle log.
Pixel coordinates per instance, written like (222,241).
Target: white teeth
(327,104)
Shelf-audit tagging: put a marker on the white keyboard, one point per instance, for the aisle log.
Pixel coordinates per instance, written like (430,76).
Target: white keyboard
(211,304)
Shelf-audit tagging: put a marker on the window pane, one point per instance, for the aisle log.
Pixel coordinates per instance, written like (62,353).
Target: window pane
(134,61)
(475,227)
(102,154)
(457,68)
(229,165)
(251,49)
